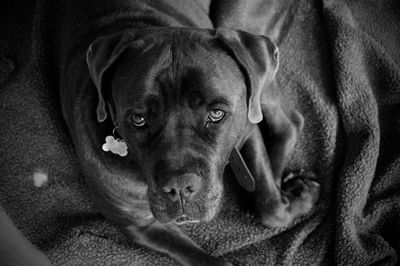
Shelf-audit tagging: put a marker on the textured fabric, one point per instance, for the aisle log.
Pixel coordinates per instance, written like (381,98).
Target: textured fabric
(340,67)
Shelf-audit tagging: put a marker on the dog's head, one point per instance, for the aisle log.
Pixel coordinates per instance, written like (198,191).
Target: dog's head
(182,99)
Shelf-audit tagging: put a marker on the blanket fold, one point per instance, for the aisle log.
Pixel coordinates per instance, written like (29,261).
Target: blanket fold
(367,80)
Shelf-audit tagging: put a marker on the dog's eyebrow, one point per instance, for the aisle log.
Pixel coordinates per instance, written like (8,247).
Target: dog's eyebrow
(218,100)
(200,98)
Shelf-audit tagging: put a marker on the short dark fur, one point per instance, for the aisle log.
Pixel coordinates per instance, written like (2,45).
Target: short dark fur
(175,162)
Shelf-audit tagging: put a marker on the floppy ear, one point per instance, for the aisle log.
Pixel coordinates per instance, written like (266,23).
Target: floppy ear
(100,57)
(257,55)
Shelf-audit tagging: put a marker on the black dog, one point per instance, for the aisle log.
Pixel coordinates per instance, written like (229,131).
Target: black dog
(184,97)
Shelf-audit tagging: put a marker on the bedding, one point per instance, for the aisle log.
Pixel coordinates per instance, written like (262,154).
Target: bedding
(340,67)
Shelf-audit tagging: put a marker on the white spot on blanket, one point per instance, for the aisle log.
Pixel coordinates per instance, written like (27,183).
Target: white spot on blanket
(40,178)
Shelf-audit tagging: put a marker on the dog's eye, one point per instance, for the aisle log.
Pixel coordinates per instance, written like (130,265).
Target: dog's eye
(138,120)
(215,115)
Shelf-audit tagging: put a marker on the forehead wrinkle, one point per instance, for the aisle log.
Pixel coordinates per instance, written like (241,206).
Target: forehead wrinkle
(190,63)
(138,75)
(214,78)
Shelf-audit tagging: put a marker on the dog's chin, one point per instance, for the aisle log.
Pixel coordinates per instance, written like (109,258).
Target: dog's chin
(182,219)
(192,214)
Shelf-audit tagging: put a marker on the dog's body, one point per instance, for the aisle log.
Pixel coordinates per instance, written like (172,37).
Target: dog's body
(183,96)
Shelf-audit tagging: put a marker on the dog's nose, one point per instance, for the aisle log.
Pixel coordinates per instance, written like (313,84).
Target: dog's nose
(182,187)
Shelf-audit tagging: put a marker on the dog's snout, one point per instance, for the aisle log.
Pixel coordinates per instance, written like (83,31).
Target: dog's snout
(182,187)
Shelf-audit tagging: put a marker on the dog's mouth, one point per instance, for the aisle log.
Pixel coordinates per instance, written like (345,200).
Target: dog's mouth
(184,219)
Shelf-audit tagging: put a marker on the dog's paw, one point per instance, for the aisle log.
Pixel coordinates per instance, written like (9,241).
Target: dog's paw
(302,191)
(299,193)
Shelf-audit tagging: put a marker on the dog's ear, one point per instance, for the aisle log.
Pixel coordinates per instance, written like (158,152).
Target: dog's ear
(100,57)
(257,55)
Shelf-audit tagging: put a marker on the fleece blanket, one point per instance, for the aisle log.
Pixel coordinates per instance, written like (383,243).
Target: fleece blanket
(340,67)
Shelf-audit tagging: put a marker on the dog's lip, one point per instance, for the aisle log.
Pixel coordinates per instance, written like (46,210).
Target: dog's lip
(184,219)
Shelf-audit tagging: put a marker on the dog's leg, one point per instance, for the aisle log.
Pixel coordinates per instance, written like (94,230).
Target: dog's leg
(278,200)
(170,240)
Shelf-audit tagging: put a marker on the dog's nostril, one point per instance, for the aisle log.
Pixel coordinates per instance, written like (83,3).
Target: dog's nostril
(171,193)
(167,190)
(189,190)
